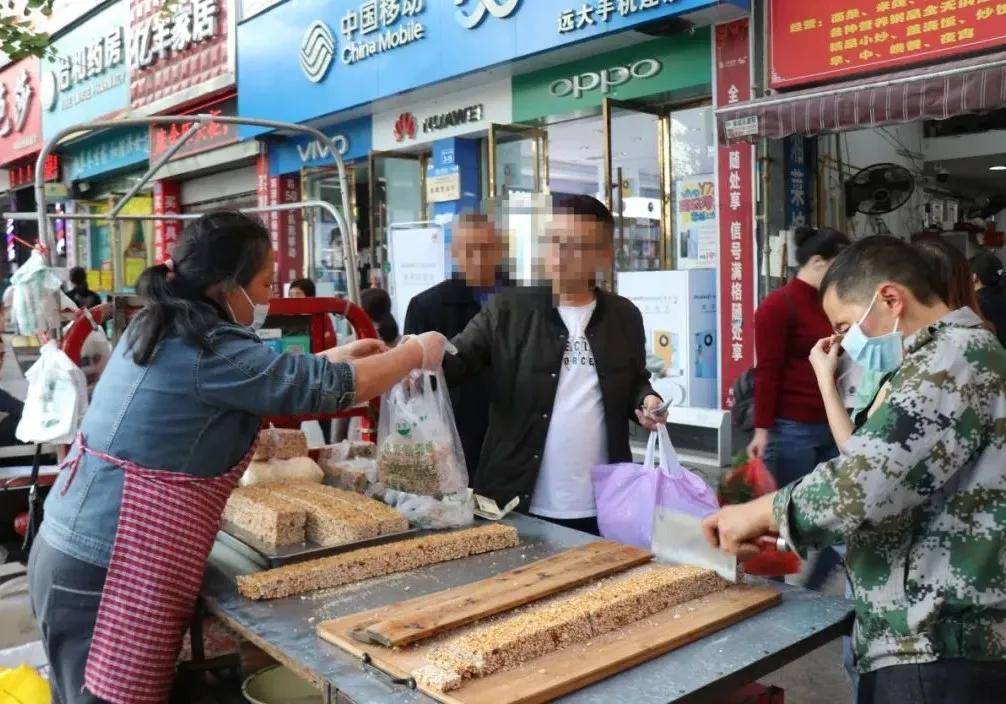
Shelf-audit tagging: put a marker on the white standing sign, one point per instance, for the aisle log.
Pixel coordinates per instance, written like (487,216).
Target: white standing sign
(418,262)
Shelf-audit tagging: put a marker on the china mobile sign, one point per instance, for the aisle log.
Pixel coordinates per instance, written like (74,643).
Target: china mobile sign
(179,51)
(735,193)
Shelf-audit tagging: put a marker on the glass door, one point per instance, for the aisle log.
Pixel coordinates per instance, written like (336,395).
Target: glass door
(518,160)
(397,195)
(325,253)
(637,184)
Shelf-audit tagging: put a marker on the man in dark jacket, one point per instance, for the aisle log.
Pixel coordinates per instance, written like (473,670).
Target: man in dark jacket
(568,369)
(477,250)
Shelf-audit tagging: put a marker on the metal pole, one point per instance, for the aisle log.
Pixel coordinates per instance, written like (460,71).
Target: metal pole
(154,168)
(348,240)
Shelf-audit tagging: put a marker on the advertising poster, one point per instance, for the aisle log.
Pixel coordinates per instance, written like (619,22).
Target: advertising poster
(679,320)
(695,225)
(418,262)
(829,40)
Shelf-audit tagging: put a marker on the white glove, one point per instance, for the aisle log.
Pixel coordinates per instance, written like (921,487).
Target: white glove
(434,345)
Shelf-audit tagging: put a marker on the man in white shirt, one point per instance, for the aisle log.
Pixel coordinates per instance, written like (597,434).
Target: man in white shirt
(568,363)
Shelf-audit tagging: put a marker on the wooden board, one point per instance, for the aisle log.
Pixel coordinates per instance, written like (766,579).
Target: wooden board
(429,615)
(572,668)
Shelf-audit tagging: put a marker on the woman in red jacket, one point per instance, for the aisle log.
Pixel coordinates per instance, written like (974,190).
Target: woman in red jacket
(791,425)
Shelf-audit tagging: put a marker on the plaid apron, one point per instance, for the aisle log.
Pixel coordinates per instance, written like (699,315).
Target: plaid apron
(167,525)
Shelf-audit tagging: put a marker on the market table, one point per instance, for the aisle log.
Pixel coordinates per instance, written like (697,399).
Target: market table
(710,667)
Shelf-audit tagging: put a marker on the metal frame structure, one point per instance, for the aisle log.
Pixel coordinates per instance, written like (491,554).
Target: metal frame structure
(194,122)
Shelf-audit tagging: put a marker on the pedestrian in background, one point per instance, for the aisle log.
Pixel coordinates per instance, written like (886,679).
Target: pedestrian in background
(377,303)
(988,277)
(791,423)
(80,293)
(478,251)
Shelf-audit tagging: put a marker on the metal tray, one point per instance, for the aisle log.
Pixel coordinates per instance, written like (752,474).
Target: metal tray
(267,557)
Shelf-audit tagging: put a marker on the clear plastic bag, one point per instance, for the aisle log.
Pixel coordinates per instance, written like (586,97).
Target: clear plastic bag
(419,450)
(428,513)
(56,401)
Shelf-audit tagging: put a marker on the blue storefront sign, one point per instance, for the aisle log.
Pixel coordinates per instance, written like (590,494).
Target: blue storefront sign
(108,152)
(88,77)
(306,58)
(797,182)
(290,155)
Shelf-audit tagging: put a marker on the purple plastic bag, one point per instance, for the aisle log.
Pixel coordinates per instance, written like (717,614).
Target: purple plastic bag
(627,494)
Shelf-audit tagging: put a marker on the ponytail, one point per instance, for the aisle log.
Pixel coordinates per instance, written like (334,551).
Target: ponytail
(219,247)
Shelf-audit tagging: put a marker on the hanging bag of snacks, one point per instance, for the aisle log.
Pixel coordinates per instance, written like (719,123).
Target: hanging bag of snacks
(419,450)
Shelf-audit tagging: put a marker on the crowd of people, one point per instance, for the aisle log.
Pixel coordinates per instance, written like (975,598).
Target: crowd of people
(899,474)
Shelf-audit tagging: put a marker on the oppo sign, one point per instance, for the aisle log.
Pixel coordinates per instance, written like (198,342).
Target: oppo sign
(605,79)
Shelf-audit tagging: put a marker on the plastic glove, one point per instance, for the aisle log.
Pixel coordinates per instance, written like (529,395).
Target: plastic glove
(434,345)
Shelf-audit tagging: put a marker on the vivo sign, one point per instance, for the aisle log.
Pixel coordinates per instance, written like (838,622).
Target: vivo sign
(606,79)
(314,149)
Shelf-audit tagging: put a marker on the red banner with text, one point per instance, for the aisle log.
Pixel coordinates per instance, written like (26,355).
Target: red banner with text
(827,40)
(167,201)
(735,196)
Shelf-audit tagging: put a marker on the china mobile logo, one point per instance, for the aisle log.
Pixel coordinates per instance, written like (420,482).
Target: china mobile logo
(500,9)
(317,49)
(405,127)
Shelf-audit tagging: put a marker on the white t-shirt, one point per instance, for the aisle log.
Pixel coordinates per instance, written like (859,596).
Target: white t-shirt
(577,438)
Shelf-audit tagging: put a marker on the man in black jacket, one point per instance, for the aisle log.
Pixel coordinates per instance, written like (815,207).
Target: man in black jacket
(568,371)
(477,250)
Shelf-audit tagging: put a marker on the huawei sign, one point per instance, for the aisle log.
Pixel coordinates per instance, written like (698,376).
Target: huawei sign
(405,127)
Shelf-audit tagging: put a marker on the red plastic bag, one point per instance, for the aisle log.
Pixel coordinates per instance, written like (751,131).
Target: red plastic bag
(747,482)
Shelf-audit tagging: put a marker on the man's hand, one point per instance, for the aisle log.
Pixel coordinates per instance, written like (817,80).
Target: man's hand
(648,416)
(824,359)
(359,349)
(759,444)
(735,529)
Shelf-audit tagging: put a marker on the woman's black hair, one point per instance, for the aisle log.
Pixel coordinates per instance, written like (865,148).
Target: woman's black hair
(377,304)
(989,269)
(221,246)
(78,277)
(824,242)
(305,285)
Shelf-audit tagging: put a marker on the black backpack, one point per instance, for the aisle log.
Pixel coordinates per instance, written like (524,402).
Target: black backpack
(742,411)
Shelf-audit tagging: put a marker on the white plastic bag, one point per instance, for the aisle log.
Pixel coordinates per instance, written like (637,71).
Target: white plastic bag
(94,353)
(296,469)
(418,447)
(36,308)
(428,513)
(56,401)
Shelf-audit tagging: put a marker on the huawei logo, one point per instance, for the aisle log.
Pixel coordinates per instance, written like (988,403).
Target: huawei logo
(500,9)
(405,127)
(317,49)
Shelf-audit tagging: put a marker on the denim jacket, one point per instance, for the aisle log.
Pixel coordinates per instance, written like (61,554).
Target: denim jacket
(190,410)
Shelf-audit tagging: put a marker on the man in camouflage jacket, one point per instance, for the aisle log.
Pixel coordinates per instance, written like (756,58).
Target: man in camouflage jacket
(918,495)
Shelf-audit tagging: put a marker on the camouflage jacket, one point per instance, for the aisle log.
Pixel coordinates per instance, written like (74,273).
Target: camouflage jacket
(919,498)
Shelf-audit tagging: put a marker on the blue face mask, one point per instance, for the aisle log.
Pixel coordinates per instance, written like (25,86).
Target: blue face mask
(882,354)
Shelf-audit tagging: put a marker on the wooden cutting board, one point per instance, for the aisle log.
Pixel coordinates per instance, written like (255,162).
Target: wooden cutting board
(429,615)
(572,668)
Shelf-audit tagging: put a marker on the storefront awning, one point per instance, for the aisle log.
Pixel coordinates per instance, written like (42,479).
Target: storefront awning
(972,85)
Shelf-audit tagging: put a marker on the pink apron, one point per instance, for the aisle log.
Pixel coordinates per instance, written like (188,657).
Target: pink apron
(167,525)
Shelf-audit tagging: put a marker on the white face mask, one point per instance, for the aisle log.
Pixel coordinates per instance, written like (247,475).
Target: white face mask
(260,311)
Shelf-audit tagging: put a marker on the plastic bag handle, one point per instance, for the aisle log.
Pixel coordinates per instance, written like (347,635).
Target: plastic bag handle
(659,447)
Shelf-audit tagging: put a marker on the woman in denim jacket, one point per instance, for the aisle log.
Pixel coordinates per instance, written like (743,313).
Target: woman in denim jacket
(184,392)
